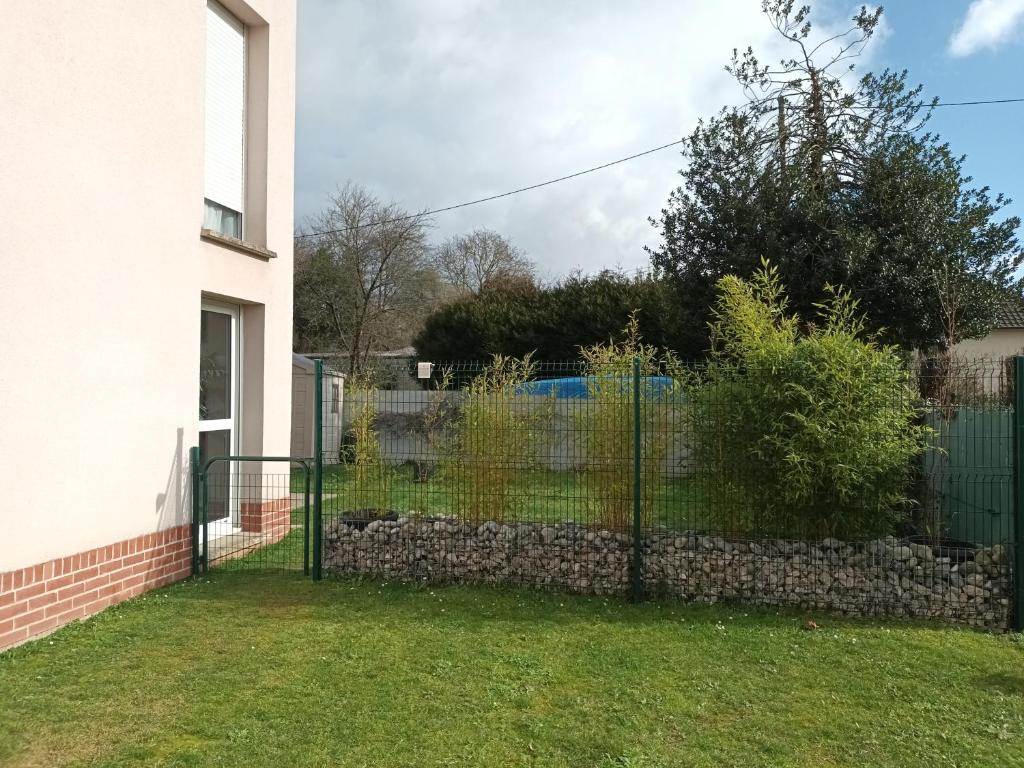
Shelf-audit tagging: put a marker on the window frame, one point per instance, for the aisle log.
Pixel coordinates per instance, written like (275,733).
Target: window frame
(219,8)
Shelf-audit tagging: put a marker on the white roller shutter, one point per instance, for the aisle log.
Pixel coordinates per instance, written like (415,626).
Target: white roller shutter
(225,108)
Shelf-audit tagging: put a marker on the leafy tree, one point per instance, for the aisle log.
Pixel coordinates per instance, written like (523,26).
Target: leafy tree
(552,322)
(364,283)
(931,260)
(836,183)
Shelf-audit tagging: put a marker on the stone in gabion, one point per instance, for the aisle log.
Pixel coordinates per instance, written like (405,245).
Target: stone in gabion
(886,577)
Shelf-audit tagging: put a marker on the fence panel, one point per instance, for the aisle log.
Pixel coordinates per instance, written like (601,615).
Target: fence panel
(582,477)
(249,518)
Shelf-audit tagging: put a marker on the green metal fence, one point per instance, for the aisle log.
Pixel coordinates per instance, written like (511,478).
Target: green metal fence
(647,478)
(610,485)
(1017,543)
(969,474)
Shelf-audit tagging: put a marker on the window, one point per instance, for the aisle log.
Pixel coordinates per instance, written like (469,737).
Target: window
(219,365)
(335,397)
(222,219)
(225,122)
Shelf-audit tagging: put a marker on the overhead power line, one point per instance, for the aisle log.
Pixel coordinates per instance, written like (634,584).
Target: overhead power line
(494,197)
(971,103)
(586,171)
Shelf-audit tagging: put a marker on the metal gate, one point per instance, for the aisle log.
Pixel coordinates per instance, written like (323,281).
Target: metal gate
(247,518)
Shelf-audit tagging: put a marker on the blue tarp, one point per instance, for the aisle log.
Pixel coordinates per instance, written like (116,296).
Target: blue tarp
(576,387)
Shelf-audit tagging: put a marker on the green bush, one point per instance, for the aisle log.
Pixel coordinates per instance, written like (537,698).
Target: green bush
(371,477)
(607,424)
(801,431)
(494,441)
(553,322)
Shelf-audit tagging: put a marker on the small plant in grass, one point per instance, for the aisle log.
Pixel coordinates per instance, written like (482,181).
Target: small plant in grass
(801,432)
(493,441)
(371,478)
(607,424)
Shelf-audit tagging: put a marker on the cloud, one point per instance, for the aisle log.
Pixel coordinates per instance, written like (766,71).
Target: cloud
(988,24)
(431,104)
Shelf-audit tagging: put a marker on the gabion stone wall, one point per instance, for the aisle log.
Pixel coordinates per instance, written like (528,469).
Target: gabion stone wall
(885,577)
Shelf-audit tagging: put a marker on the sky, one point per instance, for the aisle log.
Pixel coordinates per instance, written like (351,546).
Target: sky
(429,103)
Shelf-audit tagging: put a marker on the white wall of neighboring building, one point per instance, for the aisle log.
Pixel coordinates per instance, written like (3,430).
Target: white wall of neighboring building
(102,268)
(998,344)
(304,408)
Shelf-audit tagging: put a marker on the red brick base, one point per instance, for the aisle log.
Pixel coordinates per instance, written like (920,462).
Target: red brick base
(269,517)
(36,600)
(260,517)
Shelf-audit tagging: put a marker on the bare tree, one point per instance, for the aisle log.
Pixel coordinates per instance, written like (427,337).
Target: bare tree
(363,282)
(814,116)
(481,259)
(959,295)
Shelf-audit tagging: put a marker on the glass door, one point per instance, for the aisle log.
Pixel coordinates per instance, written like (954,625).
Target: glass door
(218,411)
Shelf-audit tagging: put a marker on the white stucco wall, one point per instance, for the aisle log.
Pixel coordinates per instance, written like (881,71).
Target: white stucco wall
(102,269)
(998,344)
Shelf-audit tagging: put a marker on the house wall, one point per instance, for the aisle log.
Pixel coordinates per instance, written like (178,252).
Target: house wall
(1000,343)
(104,270)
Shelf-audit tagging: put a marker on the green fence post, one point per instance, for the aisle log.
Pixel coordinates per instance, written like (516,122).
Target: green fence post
(638,586)
(204,514)
(193,458)
(318,466)
(1017,529)
(305,519)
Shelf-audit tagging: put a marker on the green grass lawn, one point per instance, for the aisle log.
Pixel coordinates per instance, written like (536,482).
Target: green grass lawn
(246,669)
(539,495)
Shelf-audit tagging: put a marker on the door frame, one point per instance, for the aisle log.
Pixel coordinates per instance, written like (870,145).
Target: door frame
(231,523)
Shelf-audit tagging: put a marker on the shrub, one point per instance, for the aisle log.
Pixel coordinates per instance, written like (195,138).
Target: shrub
(371,478)
(801,432)
(607,423)
(433,425)
(553,322)
(493,441)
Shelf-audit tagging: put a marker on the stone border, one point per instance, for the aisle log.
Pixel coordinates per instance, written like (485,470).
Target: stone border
(884,577)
